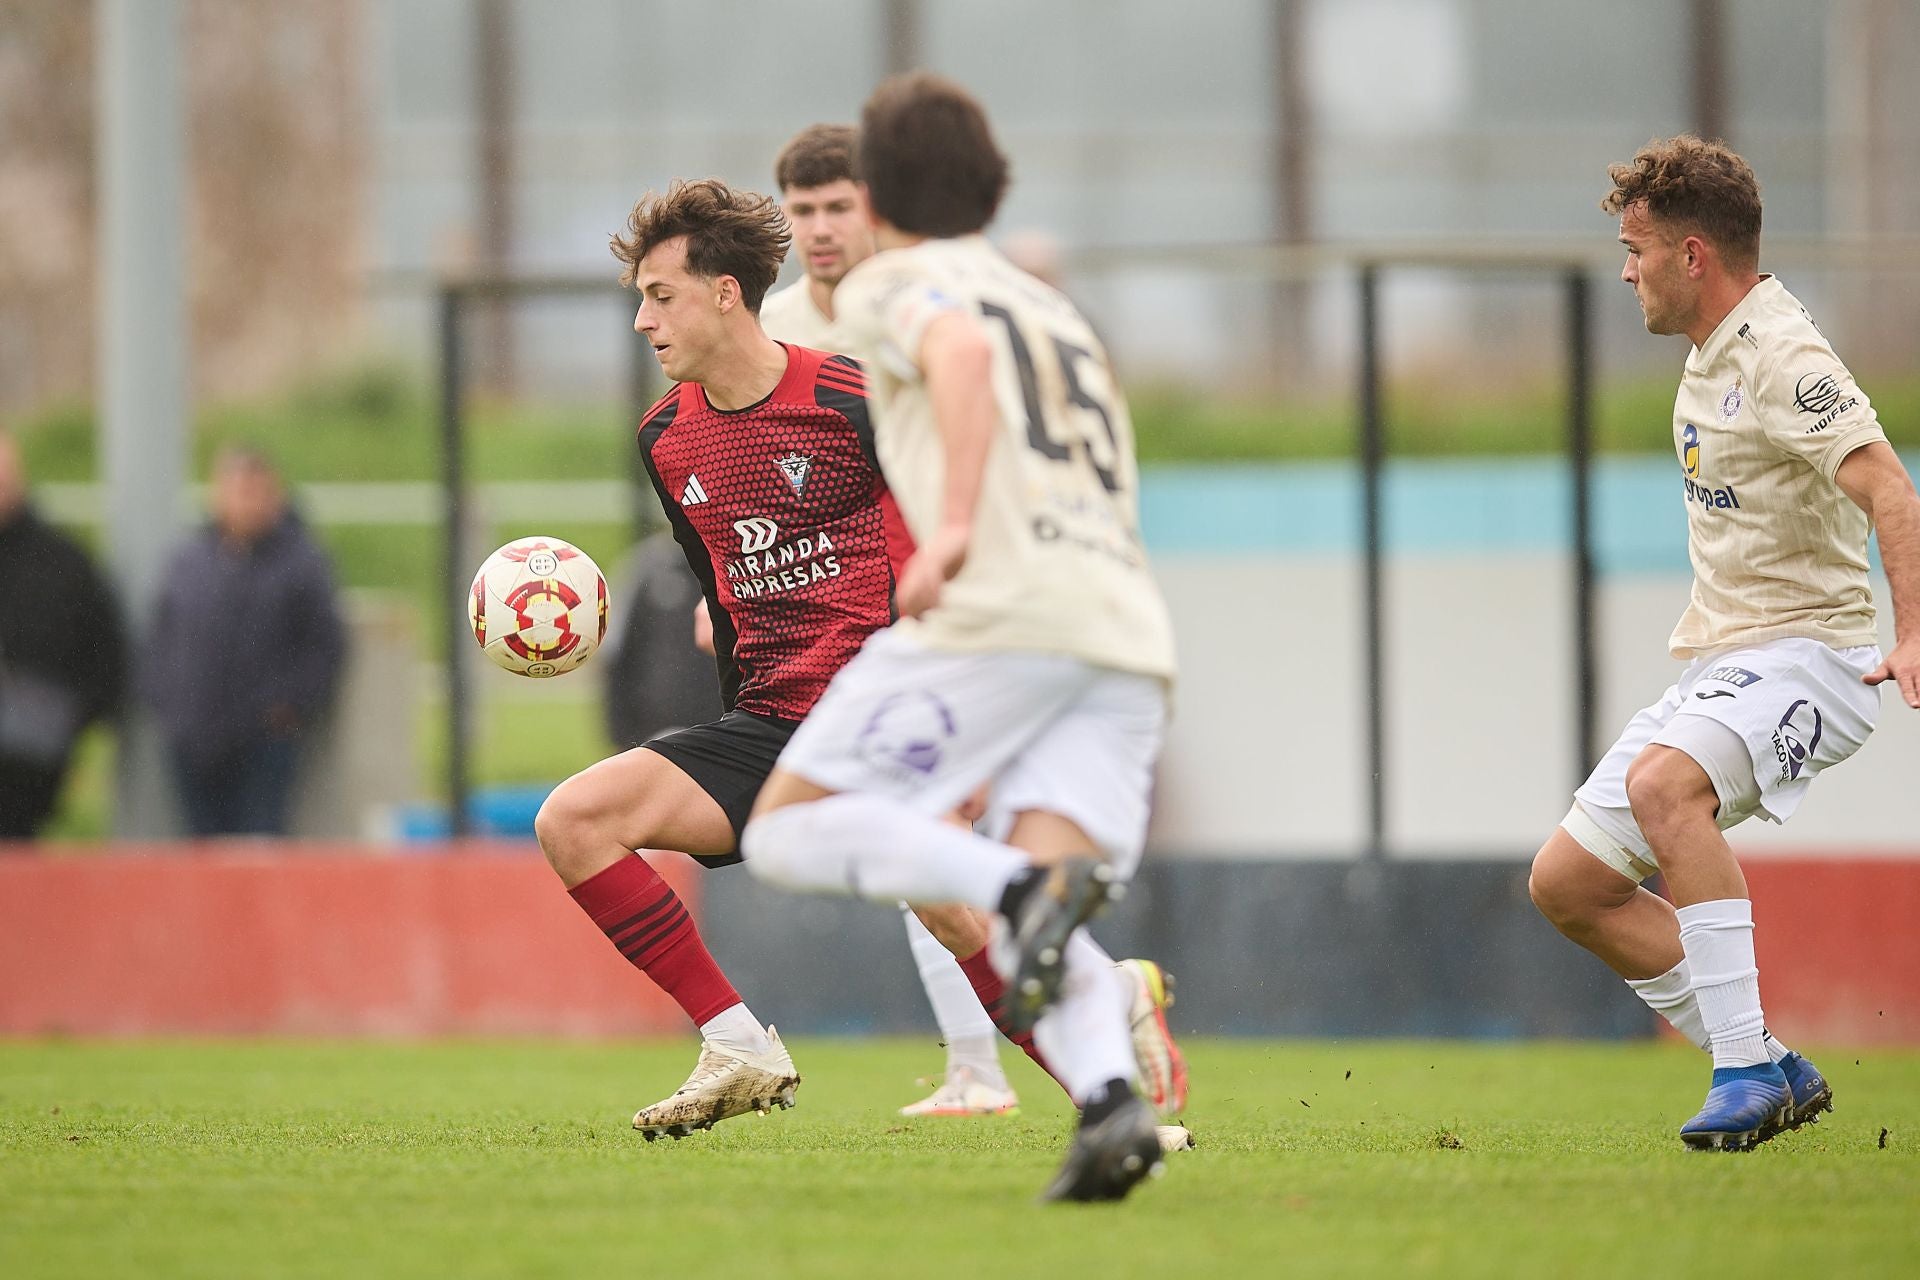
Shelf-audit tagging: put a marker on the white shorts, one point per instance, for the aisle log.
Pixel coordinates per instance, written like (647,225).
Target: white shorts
(1762,722)
(1052,733)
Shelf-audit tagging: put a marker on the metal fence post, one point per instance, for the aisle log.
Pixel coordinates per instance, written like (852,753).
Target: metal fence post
(453,483)
(1372,452)
(1579,322)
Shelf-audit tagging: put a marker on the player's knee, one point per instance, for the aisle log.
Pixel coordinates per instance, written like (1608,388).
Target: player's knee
(553,823)
(566,822)
(1555,893)
(1666,788)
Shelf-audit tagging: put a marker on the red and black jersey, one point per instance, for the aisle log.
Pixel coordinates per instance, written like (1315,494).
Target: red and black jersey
(785,520)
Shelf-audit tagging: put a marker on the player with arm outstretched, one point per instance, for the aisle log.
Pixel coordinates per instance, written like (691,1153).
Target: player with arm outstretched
(1038,652)
(1785,471)
(832,234)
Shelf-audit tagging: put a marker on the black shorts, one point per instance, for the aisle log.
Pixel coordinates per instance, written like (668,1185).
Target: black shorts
(730,758)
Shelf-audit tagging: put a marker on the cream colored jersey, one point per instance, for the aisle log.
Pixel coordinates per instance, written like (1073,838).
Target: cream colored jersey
(789,315)
(1765,415)
(1056,563)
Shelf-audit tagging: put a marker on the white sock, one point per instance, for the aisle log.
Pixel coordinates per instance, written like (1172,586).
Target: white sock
(1718,939)
(876,847)
(1671,996)
(971,1039)
(1085,1036)
(737,1031)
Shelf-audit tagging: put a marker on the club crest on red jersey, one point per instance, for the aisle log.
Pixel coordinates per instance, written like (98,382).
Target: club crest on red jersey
(795,467)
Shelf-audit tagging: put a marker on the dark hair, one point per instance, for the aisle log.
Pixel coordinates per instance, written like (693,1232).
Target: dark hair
(928,157)
(818,154)
(729,233)
(1698,188)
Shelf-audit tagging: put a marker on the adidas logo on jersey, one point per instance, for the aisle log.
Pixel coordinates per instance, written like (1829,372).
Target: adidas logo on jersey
(693,495)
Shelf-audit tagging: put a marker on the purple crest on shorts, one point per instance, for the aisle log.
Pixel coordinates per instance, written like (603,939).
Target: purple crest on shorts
(908,731)
(1796,738)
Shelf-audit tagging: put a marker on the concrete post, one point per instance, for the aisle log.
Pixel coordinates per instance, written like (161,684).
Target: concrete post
(142,366)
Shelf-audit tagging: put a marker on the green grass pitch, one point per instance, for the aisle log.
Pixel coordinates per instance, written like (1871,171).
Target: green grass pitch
(1315,1158)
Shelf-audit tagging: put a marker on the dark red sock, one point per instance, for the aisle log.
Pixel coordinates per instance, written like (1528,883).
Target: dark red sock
(992,991)
(649,925)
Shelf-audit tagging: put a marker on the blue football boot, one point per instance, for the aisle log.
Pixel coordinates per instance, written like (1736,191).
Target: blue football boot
(1745,1107)
(1811,1092)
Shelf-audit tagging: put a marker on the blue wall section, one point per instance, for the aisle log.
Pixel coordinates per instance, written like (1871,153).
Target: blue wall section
(1432,506)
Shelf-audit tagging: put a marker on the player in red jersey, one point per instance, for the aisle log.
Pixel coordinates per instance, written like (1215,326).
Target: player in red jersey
(763,462)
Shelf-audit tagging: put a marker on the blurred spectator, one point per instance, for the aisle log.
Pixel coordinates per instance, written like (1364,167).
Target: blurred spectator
(62,655)
(244,653)
(657,679)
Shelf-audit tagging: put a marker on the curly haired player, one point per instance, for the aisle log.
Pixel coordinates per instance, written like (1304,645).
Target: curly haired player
(1785,470)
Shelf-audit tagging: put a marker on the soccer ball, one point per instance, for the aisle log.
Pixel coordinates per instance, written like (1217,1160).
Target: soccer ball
(538,607)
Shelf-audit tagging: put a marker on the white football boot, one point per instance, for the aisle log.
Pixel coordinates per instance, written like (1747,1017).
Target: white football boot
(964,1093)
(1163,1070)
(723,1085)
(1174,1137)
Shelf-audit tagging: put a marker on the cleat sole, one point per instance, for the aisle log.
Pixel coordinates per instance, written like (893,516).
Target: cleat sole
(1742,1141)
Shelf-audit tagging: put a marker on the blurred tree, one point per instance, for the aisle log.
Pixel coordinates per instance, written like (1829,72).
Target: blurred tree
(46,201)
(278,140)
(494,93)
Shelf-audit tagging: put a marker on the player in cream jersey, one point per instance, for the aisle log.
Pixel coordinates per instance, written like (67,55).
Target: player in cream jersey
(792,313)
(1784,470)
(1038,655)
(1055,562)
(832,234)
(1765,418)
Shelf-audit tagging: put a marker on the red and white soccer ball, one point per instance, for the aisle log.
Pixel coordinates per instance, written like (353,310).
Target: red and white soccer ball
(538,607)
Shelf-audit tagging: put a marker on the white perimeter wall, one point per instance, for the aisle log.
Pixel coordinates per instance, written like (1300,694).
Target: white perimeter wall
(1267,752)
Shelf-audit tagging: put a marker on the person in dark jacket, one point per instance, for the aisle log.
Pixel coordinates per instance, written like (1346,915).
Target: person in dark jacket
(62,653)
(656,678)
(245,650)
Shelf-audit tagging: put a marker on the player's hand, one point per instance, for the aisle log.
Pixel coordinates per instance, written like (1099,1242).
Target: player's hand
(702,627)
(974,807)
(929,569)
(1903,667)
